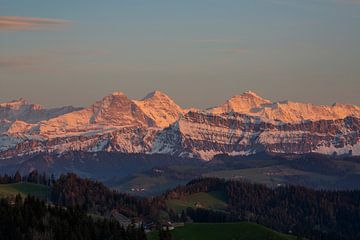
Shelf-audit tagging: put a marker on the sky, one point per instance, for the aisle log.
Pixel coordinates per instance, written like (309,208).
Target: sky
(199,52)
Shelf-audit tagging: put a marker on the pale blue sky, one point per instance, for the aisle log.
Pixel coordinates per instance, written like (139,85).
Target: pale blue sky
(199,52)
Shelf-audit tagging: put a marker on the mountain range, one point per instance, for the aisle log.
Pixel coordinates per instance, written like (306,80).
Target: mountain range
(245,124)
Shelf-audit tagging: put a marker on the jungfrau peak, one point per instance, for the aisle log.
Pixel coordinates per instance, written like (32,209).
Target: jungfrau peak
(250,103)
(241,103)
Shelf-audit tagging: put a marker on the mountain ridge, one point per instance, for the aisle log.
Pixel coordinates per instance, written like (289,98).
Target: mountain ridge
(245,124)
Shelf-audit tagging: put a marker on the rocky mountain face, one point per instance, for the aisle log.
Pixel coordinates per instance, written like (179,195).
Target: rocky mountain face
(243,125)
(204,135)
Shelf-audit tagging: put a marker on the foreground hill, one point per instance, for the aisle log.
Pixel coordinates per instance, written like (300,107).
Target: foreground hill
(244,125)
(215,200)
(224,231)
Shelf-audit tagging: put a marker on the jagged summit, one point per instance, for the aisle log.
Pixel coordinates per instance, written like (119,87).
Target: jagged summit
(241,103)
(251,98)
(250,93)
(117,93)
(161,108)
(111,98)
(155,94)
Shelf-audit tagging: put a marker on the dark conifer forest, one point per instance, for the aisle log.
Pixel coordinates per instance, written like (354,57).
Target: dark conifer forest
(31,218)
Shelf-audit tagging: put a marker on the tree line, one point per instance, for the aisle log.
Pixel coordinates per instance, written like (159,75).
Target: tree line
(32,177)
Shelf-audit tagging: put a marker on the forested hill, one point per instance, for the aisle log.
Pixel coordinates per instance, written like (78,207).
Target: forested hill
(95,197)
(303,212)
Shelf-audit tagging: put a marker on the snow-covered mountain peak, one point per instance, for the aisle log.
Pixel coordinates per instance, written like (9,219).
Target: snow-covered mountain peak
(344,105)
(251,96)
(15,104)
(287,111)
(19,126)
(20,105)
(250,93)
(117,109)
(155,94)
(243,103)
(112,103)
(113,98)
(161,108)
(22,110)
(117,93)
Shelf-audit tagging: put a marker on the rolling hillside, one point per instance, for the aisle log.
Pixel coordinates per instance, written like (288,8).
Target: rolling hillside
(24,189)
(215,200)
(224,231)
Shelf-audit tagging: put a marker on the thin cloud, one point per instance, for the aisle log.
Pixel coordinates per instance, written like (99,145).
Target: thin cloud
(28,23)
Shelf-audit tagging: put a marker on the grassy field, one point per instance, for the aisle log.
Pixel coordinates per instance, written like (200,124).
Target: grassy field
(213,200)
(224,231)
(24,189)
(271,176)
(155,182)
(152,185)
